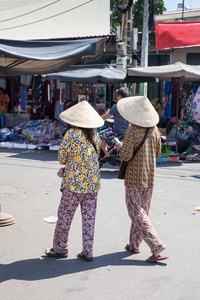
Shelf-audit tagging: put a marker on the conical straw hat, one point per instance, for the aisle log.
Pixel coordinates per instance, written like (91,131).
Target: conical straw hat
(9,222)
(6,219)
(82,115)
(4,216)
(138,110)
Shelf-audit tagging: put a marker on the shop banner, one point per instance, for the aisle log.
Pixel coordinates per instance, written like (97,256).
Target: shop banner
(177,35)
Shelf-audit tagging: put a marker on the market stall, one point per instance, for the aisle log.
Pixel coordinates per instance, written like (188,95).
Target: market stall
(21,59)
(179,72)
(91,82)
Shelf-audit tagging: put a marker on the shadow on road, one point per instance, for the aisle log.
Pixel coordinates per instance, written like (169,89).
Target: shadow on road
(169,164)
(48,267)
(109,174)
(41,155)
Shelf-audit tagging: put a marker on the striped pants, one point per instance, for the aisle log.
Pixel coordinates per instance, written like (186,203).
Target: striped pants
(138,201)
(67,208)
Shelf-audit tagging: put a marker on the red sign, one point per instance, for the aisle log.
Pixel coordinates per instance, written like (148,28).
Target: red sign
(177,35)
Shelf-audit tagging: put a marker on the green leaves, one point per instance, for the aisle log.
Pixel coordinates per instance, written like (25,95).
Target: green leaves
(137,9)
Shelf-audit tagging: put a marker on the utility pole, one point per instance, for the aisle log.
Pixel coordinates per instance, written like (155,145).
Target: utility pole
(128,36)
(145,44)
(128,39)
(124,46)
(183,7)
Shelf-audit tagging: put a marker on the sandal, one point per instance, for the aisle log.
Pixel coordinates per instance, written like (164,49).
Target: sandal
(53,253)
(135,251)
(85,257)
(153,258)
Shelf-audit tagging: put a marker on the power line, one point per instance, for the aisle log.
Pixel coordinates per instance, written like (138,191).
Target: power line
(28,13)
(56,15)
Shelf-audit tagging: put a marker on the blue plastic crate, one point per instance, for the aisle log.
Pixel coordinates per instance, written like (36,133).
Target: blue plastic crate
(162,160)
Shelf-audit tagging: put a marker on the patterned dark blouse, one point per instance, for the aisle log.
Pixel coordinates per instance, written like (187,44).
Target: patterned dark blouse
(140,172)
(82,173)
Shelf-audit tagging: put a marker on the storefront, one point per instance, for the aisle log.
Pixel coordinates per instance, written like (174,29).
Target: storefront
(40,99)
(180,85)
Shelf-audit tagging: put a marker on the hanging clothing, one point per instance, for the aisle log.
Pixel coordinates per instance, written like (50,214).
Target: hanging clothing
(58,110)
(168,101)
(4,101)
(23,97)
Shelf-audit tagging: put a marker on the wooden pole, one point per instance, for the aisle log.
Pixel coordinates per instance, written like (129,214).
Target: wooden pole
(177,104)
(122,29)
(13,101)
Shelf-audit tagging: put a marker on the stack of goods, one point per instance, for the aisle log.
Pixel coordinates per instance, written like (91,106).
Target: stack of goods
(190,157)
(174,157)
(39,133)
(167,155)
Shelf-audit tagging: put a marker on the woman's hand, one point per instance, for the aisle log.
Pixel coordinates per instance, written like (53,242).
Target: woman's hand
(189,131)
(118,146)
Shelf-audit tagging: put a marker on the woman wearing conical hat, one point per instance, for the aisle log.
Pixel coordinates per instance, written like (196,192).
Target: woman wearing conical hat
(140,172)
(78,152)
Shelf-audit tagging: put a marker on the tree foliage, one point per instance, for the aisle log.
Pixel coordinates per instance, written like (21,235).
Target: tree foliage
(138,7)
(115,15)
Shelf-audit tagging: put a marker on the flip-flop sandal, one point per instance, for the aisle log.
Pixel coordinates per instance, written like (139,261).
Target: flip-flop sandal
(55,253)
(135,251)
(83,256)
(153,258)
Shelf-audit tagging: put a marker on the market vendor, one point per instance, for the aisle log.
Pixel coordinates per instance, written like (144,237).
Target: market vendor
(4,100)
(54,129)
(183,142)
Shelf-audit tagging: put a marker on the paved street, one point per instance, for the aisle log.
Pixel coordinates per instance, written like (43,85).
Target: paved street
(29,191)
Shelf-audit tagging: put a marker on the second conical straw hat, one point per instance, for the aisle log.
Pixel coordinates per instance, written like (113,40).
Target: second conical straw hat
(138,110)
(82,115)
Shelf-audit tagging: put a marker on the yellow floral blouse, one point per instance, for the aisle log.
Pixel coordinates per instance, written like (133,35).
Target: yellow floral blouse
(81,173)
(140,172)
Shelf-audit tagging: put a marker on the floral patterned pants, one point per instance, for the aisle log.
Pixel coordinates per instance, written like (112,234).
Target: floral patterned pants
(138,201)
(67,208)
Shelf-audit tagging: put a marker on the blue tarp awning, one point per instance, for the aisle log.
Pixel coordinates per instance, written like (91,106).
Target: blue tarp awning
(41,57)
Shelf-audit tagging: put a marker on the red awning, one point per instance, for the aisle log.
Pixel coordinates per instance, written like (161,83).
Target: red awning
(177,35)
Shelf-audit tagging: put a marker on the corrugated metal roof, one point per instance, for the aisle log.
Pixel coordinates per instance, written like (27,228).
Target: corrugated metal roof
(54,19)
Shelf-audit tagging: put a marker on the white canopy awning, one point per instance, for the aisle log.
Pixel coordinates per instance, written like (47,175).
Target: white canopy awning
(166,72)
(178,70)
(91,74)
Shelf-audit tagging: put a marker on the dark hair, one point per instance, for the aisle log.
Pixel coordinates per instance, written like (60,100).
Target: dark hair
(123,92)
(168,127)
(1,89)
(89,134)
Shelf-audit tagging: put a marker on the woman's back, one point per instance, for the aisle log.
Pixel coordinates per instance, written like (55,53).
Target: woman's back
(141,169)
(81,162)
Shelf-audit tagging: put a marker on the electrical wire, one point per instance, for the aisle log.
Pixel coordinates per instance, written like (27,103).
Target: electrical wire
(136,55)
(56,15)
(28,13)
(108,43)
